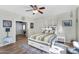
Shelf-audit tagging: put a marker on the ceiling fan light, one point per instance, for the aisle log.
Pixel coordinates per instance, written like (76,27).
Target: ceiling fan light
(35,11)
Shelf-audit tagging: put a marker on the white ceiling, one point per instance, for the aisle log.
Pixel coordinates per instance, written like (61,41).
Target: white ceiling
(50,9)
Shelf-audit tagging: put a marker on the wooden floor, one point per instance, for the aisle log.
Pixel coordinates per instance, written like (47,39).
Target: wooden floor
(14,48)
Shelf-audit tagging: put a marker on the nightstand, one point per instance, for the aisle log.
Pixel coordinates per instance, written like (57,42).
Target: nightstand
(61,38)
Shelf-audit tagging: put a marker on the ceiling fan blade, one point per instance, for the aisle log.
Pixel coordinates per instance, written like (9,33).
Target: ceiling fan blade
(34,7)
(42,8)
(40,11)
(29,10)
(31,6)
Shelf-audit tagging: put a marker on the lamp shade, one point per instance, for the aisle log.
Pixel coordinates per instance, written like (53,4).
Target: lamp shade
(35,11)
(60,30)
(76,44)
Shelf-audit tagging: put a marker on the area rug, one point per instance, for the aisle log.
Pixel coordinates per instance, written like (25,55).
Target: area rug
(32,50)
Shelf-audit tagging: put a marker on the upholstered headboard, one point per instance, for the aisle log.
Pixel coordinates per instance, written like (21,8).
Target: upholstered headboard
(49,29)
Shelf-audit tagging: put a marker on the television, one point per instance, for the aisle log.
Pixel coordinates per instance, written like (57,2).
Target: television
(7,23)
(7,29)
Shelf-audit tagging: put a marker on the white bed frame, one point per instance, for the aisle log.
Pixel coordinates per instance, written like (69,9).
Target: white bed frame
(40,46)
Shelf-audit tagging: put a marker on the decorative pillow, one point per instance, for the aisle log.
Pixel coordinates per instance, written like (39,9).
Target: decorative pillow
(43,31)
(52,31)
(47,31)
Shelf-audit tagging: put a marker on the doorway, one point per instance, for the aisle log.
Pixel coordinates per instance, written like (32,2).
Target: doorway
(21,30)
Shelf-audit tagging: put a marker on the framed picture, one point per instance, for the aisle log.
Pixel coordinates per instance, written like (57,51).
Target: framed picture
(67,22)
(7,23)
(31,25)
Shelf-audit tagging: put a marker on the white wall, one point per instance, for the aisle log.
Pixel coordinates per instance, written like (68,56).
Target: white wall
(2,30)
(70,32)
(45,21)
(78,24)
(5,15)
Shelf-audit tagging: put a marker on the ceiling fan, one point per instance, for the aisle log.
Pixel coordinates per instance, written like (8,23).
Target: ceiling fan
(36,9)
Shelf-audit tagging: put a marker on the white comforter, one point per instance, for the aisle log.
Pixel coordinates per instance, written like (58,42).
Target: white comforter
(36,35)
(44,38)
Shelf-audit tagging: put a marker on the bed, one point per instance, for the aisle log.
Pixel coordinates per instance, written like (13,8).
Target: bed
(42,41)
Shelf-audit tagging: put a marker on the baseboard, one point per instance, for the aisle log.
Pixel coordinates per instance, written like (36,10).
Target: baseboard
(1,45)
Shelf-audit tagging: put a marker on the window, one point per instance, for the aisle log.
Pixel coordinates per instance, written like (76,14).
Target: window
(24,27)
